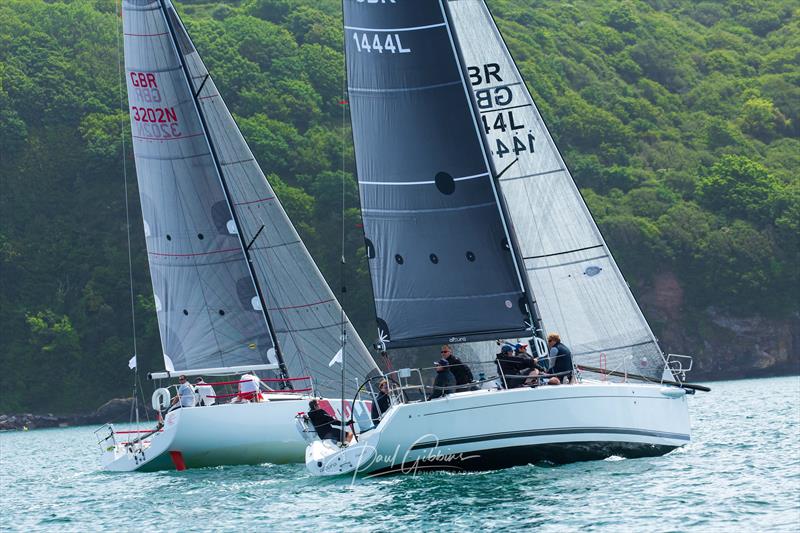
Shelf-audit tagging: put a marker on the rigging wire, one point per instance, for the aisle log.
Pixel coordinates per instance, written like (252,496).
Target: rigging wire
(136,381)
(343,103)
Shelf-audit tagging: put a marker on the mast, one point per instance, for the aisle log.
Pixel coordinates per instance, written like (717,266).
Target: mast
(245,247)
(533,312)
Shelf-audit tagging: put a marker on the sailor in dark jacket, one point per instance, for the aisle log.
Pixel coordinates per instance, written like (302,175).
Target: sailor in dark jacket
(382,402)
(512,366)
(445,381)
(327,427)
(462,372)
(561,357)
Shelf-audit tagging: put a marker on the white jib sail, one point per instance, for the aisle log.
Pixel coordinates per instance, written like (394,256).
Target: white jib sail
(578,287)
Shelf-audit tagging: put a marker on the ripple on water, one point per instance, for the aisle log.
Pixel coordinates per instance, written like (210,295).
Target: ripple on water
(741,472)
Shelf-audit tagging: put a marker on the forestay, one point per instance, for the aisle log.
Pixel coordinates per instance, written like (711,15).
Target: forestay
(205,297)
(579,290)
(305,315)
(439,256)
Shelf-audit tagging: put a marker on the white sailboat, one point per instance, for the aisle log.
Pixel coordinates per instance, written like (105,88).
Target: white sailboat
(235,289)
(476,231)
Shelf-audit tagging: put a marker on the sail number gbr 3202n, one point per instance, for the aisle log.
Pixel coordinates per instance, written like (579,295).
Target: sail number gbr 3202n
(496,104)
(149,119)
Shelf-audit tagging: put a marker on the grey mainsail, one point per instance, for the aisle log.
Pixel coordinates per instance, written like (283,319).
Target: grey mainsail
(205,297)
(200,183)
(441,265)
(579,289)
(306,317)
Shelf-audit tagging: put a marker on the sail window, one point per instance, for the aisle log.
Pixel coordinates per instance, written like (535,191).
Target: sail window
(434,259)
(445,183)
(470,257)
(399,259)
(592,270)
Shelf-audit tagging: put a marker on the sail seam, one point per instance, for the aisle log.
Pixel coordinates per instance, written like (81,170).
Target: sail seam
(208,96)
(565,252)
(162,158)
(428,182)
(615,348)
(438,210)
(167,138)
(568,263)
(301,306)
(404,89)
(502,85)
(155,71)
(254,201)
(443,298)
(534,175)
(225,164)
(505,108)
(161,254)
(146,34)
(412,28)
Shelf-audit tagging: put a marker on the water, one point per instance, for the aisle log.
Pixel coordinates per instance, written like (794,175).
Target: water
(740,473)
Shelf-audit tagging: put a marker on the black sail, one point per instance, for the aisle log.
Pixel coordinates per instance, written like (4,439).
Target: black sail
(439,255)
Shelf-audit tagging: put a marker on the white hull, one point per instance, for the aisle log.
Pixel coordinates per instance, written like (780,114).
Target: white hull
(490,429)
(228,434)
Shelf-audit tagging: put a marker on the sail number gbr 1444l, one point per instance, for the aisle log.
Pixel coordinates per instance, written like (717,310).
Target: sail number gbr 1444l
(494,101)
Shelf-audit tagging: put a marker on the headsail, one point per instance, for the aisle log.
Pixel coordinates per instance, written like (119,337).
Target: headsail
(441,265)
(579,290)
(304,316)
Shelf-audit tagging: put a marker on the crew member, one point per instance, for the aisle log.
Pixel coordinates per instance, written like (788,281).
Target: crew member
(461,371)
(561,357)
(445,381)
(382,402)
(326,426)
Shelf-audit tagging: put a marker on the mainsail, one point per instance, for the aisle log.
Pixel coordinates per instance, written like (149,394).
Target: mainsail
(200,174)
(439,254)
(579,289)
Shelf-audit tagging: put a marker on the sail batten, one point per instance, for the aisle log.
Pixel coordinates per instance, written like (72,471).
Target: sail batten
(579,289)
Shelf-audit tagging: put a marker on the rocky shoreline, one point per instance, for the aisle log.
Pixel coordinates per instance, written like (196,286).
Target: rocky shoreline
(116,410)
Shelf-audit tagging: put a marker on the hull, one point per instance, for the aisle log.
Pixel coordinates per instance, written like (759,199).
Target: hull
(228,434)
(492,429)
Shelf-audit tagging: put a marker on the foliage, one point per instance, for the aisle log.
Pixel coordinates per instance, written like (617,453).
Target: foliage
(679,119)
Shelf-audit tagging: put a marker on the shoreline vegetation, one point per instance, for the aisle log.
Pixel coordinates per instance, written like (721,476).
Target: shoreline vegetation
(680,121)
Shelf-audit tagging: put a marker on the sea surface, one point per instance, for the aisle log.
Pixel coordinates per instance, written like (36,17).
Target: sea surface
(741,472)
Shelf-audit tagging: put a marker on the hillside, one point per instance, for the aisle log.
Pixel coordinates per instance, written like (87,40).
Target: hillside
(680,121)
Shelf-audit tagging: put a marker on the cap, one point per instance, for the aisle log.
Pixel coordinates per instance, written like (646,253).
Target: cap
(441,362)
(506,348)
